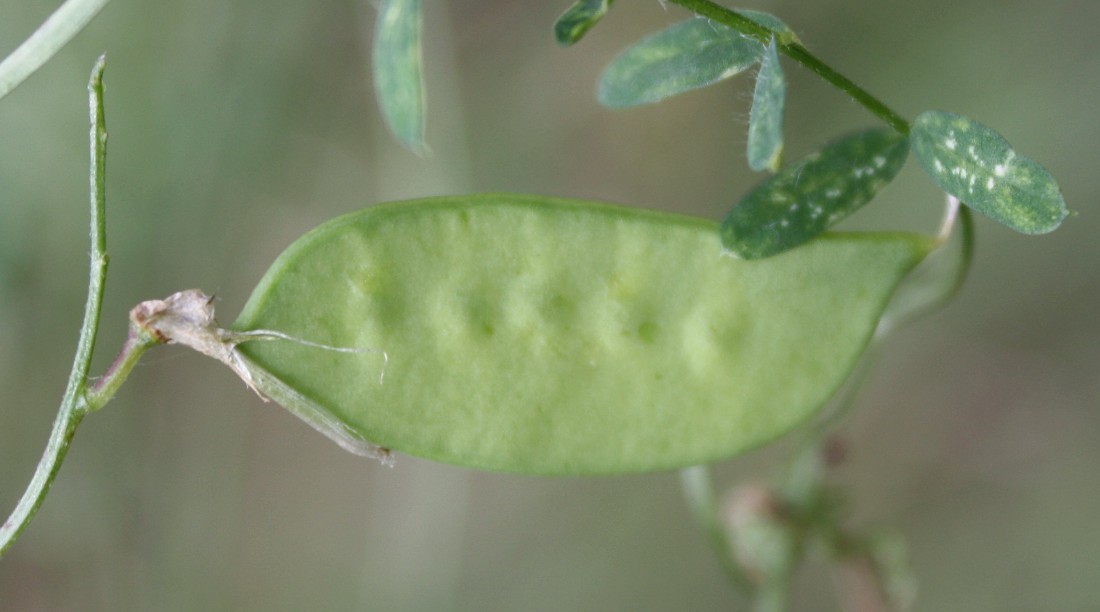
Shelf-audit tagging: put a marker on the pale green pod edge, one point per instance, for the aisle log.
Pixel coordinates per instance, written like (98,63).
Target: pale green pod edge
(558,337)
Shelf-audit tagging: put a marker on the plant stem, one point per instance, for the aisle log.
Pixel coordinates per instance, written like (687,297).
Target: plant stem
(105,388)
(699,494)
(74,404)
(966,247)
(800,54)
(58,29)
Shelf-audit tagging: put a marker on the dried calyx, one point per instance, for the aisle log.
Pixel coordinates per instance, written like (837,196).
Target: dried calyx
(187,318)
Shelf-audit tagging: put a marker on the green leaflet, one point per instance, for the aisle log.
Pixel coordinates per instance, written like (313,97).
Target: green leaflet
(977,165)
(765,143)
(398,78)
(578,19)
(689,55)
(547,336)
(804,199)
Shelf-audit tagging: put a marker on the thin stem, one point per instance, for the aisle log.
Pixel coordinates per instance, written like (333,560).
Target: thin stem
(58,445)
(74,404)
(800,54)
(940,278)
(106,386)
(699,494)
(966,252)
(58,29)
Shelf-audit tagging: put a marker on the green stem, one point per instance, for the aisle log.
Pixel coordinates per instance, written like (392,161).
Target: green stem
(58,445)
(74,404)
(65,23)
(105,388)
(800,54)
(966,254)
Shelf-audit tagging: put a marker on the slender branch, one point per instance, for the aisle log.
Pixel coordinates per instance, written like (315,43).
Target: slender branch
(74,404)
(800,54)
(966,253)
(58,445)
(58,29)
(106,386)
(699,494)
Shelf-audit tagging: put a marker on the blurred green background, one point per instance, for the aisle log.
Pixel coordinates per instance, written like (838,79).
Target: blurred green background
(237,126)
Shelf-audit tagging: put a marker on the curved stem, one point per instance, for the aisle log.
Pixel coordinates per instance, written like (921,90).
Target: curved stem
(800,54)
(58,29)
(966,247)
(74,405)
(56,448)
(106,386)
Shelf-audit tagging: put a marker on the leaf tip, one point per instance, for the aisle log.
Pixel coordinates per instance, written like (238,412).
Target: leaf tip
(1049,216)
(578,19)
(397,66)
(768,164)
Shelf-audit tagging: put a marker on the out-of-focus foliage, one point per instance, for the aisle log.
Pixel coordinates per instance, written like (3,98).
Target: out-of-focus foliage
(685,56)
(398,70)
(236,126)
(578,19)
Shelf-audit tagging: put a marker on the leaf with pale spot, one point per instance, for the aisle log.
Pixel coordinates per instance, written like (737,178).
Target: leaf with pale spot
(765,144)
(977,165)
(398,72)
(579,19)
(804,199)
(689,55)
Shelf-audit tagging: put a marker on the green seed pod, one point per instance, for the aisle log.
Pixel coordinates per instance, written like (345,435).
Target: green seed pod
(546,336)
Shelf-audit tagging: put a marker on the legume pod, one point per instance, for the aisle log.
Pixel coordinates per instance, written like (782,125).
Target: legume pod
(548,336)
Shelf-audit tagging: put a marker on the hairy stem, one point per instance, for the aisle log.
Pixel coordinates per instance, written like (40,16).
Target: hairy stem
(800,54)
(74,404)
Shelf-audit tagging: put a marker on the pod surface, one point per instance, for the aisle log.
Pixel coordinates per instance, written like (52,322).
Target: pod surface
(548,336)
